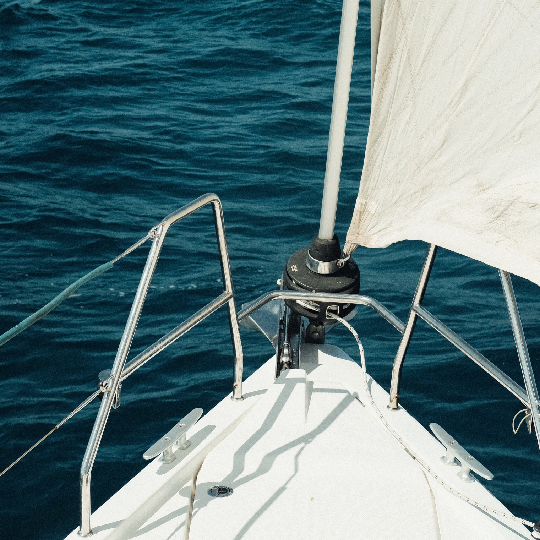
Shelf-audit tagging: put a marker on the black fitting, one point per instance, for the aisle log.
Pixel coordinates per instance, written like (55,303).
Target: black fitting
(325,250)
(298,277)
(315,333)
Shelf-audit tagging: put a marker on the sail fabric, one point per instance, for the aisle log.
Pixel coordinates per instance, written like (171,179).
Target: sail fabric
(453,151)
(377,7)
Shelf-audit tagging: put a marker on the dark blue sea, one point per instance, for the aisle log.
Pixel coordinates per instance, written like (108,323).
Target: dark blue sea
(114,114)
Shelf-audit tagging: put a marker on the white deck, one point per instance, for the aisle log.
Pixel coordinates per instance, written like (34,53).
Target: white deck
(308,459)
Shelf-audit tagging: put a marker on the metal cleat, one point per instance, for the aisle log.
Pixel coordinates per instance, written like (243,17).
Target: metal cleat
(456,451)
(175,439)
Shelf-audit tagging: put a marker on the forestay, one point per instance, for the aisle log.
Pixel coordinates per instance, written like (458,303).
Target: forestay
(453,151)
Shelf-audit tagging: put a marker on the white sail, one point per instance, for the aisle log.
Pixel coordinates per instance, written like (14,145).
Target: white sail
(453,152)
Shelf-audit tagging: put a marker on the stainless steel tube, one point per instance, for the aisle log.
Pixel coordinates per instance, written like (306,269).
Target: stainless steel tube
(226,273)
(86,505)
(474,355)
(173,335)
(411,323)
(188,209)
(119,372)
(325,297)
(118,365)
(227,281)
(523,352)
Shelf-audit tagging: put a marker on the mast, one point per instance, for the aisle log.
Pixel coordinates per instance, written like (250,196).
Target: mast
(342,84)
(322,267)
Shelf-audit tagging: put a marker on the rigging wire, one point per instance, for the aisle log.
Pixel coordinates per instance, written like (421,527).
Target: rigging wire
(6,336)
(68,291)
(88,400)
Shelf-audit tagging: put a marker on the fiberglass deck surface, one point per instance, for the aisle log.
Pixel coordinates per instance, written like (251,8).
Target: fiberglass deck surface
(328,474)
(307,457)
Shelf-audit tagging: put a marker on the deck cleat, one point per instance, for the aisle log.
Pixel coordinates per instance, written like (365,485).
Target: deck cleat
(455,451)
(175,439)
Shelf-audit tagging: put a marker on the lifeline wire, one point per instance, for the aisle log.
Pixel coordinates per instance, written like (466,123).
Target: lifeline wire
(6,336)
(408,449)
(40,313)
(151,234)
(88,400)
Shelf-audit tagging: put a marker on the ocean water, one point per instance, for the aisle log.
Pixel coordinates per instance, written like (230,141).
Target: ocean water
(114,114)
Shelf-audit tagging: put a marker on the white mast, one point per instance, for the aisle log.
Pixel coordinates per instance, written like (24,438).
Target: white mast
(347,35)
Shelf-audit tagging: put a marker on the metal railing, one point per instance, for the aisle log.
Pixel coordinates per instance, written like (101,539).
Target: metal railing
(120,371)
(528,396)
(330,298)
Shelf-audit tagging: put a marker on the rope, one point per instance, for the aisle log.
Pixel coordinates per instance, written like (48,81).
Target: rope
(408,449)
(151,234)
(527,416)
(29,321)
(45,310)
(88,400)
